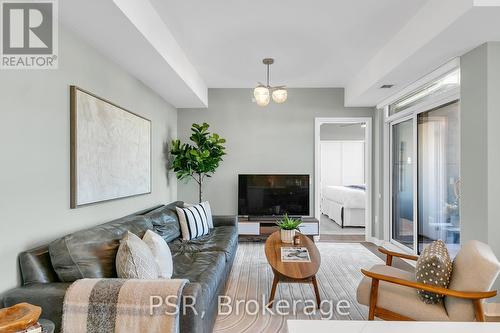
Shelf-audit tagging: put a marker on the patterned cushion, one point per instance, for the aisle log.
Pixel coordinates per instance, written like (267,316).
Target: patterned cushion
(193,221)
(134,259)
(433,268)
(161,253)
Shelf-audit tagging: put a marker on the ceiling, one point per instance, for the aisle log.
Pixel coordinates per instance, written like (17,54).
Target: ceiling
(319,43)
(182,48)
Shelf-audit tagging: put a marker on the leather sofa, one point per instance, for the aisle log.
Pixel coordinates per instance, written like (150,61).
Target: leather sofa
(47,271)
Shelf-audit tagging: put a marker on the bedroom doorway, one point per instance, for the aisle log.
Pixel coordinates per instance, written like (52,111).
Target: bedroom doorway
(343,154)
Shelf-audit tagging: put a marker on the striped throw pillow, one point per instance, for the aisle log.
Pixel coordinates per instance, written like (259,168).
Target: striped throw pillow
(194,221)
(207,210)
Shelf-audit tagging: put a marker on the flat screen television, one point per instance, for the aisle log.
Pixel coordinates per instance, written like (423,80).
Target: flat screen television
(273,195)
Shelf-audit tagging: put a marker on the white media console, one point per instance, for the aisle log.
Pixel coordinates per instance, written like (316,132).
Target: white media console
(266,226)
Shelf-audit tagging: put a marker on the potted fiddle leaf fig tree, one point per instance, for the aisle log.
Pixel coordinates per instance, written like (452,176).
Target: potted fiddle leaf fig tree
(288,226)
(200,159)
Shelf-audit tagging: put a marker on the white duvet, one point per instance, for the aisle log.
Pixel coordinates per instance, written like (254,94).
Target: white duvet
(345,196)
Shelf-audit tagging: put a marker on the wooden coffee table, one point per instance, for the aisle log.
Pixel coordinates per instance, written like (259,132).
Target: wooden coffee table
(302,272)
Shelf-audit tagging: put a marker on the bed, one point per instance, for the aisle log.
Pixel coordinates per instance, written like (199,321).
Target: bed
(344,204)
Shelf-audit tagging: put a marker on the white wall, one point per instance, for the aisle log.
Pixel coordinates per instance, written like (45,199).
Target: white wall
(330,155)
(494,149)
(35,149)
(480,146)
(342,163)
(274,139)
(474,145)
(339,168)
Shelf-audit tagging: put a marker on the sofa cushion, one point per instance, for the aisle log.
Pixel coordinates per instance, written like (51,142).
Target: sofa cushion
(433,268)
(400,299)
(36,266)
(135,260)
(165,221)
(222,239)
(475,268)
(91,253)
(205,268)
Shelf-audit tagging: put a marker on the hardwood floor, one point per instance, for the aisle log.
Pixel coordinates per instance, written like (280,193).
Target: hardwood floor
(251,278)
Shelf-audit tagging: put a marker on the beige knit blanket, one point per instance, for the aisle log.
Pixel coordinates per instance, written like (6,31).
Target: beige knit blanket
(122,306)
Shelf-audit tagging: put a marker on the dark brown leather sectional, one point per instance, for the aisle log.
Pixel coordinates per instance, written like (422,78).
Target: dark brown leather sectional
(47,271)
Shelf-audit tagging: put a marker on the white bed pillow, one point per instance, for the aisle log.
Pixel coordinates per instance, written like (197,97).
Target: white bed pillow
(161,253)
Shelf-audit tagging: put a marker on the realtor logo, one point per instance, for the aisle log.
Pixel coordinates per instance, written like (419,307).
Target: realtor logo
(29,34)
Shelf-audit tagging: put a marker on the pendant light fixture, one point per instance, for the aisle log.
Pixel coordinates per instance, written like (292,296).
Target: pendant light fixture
(263,93)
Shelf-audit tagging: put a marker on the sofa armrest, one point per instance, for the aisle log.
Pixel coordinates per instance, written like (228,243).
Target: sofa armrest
(191,320)
(49,296)
(225,220)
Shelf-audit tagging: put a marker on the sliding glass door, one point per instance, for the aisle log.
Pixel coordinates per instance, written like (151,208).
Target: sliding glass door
(425,156)
(425,165)
(439,176)
(402,183)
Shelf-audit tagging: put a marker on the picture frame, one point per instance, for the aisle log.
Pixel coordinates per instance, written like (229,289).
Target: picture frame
(111,150)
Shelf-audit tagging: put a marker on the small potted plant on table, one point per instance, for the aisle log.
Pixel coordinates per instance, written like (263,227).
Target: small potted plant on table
(288,226)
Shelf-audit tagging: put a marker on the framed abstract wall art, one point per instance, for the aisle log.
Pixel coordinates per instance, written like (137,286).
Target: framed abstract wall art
(110,150)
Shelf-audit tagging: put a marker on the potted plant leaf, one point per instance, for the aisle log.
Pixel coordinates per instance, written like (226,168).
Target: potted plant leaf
(288,226)
(200,159)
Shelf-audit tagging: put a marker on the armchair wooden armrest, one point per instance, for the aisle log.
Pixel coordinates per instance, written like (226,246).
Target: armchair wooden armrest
(474,296)
(434,289)
(391,254)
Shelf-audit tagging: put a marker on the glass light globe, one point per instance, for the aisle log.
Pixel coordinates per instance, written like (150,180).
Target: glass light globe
(261,95)
(280,95)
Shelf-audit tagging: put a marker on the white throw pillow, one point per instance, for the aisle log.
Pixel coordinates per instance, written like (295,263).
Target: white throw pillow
(161,253)
(193,221)
(134,259)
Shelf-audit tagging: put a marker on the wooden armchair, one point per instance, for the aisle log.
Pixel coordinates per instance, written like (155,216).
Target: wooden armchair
(391,293)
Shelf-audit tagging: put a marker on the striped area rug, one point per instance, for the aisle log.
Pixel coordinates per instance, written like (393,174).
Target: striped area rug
(251,280)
